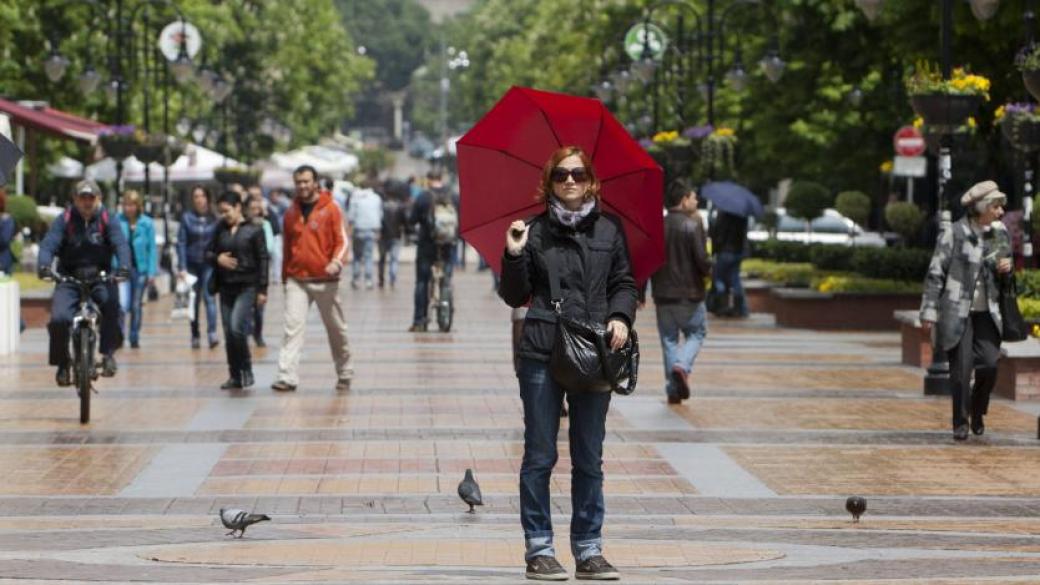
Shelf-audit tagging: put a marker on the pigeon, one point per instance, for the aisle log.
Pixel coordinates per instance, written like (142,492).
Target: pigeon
(469,491)
(856,506)
(238,520)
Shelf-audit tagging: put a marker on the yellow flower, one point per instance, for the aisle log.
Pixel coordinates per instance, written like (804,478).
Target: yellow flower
(886,167)
(666,136)
(998,114)
(971,122)
(1036,330)
(918,122)
(725,132)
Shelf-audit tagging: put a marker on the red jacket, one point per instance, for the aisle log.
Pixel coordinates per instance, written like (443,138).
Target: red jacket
(309,245)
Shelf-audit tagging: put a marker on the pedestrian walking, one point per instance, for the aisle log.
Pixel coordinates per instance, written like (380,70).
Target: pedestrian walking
(365,215)
(391,234)
(315,244)
(961,302)
(8,230)
(728,244)
(238,254)
(194,237)
(139,232)
(435,212)
(277,204)
(678,290)
(256,214)
(587,247)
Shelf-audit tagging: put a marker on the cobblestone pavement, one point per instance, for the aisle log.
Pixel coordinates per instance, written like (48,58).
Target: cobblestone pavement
(745,483)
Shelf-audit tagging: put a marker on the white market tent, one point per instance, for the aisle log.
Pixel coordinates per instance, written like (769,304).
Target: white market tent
(325,159)
(195,165)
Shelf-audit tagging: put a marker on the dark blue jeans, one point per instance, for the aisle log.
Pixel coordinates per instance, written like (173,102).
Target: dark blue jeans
(542,400)
(203,272)
(424,261)
(131,300)
(727,280)
(64,305)
(236,308)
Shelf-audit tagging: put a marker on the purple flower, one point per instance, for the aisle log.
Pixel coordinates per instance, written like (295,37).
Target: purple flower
(120,130)
(698,132)
(1019,108)
(646,142)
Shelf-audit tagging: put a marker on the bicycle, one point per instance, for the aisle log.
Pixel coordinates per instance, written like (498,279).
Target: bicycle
(84,334)
(441,301)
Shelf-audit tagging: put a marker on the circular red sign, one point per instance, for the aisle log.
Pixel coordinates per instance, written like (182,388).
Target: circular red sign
(908,141)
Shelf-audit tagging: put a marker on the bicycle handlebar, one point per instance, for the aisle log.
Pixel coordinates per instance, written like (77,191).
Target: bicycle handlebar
(102,277)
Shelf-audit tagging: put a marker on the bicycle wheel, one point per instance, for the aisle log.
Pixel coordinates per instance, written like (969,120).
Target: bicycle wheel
(84,370)
(445,308)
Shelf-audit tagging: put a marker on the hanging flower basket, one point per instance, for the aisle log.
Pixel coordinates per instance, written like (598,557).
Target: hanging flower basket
(1031,79)
(117,141)
(149,147)
(718,154)
(1021,127)
(674,153)
(242,175)
(960,138)
(941,109)
(173,151)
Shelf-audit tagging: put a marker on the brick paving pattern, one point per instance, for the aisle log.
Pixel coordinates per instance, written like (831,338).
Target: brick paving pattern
(361,484)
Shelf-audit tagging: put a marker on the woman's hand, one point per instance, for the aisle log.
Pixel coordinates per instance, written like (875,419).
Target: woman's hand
(227,261)
(516,237)
(1004,265)
(261,299)
(618,334)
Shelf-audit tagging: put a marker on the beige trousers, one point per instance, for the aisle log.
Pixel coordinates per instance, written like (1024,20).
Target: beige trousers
(298,298)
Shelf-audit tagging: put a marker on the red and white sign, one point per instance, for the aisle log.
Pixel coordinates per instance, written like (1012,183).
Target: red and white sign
(908,141)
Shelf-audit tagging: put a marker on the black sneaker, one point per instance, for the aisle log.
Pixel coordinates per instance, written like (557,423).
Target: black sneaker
(64,376)
(679,379)
(247,379)
(108,366)
(231,384)
(260,342)
(960,433)
(545,568)
(596,568)
(978,426)
(195,343)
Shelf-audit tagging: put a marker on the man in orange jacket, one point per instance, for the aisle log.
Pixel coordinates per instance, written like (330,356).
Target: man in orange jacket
(314,248)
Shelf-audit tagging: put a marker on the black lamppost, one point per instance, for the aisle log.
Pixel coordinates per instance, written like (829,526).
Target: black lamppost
(701,47)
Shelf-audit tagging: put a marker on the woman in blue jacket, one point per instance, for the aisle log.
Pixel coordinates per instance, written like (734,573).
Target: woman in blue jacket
(144,260)
(198,225)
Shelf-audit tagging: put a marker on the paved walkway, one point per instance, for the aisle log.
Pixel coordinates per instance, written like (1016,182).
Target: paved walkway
(745,483)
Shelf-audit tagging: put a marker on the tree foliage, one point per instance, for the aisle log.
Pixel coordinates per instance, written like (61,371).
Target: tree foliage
(807,200)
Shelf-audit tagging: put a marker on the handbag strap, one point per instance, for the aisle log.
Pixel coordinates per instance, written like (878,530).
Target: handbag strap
(555,294)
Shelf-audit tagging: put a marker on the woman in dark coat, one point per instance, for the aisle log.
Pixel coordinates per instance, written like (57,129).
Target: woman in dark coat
(238,254)
(588,248)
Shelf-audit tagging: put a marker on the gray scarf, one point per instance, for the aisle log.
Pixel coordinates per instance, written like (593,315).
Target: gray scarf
(566,216)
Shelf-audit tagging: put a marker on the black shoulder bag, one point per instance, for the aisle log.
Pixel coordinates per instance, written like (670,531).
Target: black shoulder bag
(581,359)
(1013,326)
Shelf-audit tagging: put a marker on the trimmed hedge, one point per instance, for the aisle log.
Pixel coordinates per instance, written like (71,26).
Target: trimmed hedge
(782,251)
(831,257)
(892,263)
(859,284)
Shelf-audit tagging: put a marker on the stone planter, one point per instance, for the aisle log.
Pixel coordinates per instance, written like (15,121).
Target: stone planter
(809,309)
(940,109)
(758,297)
(9,321)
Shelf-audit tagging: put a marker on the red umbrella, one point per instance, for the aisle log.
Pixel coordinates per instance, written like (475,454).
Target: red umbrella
(500,163)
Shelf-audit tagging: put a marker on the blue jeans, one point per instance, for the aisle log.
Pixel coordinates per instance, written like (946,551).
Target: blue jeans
(389,257)
(64,304)
(203,272)
(236,308)
(689,319)
(131,298)
(542,400)
(364,243)
(424,261)
(727,280)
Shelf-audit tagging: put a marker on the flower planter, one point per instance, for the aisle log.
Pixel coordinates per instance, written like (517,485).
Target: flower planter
(809,309)
(1021,133)
(1031,79)
(940,109)
(173,151)
(117,146)
(149,152)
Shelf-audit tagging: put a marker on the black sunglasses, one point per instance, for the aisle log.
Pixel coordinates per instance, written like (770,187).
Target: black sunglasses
(560,174)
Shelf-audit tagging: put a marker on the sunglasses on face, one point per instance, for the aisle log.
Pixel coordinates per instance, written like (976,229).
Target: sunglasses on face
(560,174)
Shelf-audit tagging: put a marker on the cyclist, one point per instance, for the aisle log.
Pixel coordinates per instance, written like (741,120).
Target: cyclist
(436,212)
(84,240)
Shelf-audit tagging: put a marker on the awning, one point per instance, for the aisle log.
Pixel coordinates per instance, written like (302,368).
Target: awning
(50,121)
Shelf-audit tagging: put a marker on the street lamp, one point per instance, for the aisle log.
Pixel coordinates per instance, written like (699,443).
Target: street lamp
(452,60)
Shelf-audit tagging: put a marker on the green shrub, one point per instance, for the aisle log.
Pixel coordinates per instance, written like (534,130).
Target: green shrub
(831,257)
(909,264)
(780,273)
(781,251)
(859,284)
(1035,217)
(374,160)
(905,219)
(1029,284)
(1030,308)
(23,209)
(854,205)
(807,200)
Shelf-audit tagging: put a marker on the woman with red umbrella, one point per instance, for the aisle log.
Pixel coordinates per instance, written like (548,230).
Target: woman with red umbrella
(588,252)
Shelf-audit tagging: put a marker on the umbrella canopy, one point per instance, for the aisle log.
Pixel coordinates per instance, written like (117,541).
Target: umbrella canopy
(500,164)
(732,198)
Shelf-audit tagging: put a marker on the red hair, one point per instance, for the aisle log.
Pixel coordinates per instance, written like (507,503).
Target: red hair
(545,188)
(3,199)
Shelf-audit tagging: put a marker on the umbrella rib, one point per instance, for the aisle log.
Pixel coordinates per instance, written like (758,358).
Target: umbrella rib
(505,152)
(493,220)
(599,131)
(545,117)
(623,175)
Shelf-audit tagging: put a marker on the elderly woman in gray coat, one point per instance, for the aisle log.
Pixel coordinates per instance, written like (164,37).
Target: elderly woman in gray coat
(961,300)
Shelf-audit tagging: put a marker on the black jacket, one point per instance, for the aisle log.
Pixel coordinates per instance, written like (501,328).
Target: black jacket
(248,246)
(686,264)
(729,233)
(395,216)
(595,277)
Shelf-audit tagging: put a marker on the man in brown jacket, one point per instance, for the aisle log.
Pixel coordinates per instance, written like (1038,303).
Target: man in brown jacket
(678,290)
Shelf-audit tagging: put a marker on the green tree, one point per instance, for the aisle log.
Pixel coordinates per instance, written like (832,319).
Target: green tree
(807,200)
(396,34)
(905,219)
(854,205)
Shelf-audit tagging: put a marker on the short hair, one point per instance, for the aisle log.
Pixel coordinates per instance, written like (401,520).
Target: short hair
(205,191)
(231,198)
(306,169)
(132,196)
(434,176)
(677,191)
(545,188)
